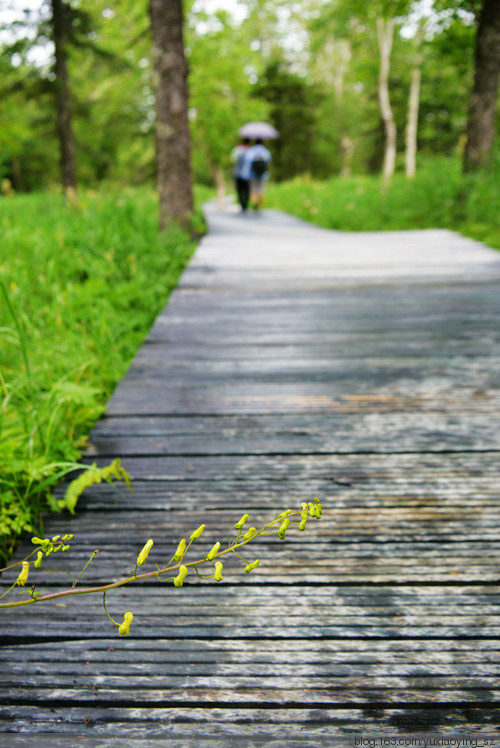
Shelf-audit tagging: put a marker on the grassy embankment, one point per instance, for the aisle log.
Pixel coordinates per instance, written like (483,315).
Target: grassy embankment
(438,197)
(79,291)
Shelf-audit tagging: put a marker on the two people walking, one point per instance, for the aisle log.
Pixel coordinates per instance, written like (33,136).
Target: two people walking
(251,171)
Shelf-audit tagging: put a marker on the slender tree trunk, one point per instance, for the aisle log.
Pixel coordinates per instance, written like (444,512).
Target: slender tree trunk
(483,100)
(17,175)
(412,123)
(346,153)
(346,146)
(170,71)
(63,94)
(220,186)
(385,31)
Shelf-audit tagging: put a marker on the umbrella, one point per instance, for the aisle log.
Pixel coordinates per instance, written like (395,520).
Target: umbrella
(259,130)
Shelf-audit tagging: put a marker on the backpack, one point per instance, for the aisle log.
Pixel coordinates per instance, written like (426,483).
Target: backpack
(259,166)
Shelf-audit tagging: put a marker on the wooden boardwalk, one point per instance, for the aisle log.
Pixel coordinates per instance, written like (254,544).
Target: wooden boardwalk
(291,362)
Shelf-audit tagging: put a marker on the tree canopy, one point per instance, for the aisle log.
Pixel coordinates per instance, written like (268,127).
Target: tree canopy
(312,68)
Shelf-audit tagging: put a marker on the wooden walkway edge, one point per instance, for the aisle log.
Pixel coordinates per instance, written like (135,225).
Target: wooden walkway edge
(291,362)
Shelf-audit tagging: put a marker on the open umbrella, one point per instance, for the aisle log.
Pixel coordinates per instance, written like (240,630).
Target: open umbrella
(258,130)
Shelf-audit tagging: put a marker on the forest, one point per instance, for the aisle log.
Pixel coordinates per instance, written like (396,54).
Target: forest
(118,117)
(352,87)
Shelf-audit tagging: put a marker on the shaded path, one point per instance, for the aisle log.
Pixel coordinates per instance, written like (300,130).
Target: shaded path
(293,362)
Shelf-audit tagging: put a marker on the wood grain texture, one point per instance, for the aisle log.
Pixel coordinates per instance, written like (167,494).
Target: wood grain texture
(291,362)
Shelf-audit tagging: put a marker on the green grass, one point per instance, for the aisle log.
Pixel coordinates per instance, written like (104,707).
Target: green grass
(438,197)
(80,288)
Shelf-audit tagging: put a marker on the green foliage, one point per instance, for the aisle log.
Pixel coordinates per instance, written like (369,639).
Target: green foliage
(293,104)
(221,93)
(446,80)
(113,95)
(439,196)
(92,475)
(28,148)
(311,67)
(111,92)
(81,289)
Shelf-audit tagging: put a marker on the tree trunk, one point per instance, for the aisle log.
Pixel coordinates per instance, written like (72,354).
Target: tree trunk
(385,31)
(63,97)
(412,123)
(173,155)
(220,186)
(346,146)
(483,100)
(17,175)
(346,153)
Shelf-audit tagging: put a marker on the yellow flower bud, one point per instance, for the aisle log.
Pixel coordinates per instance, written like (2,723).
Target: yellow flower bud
(242,521)
(249,533)
(23,576)
(141,558)
(218,571)
(37,541)
(181,549)
(56,537)
(303,520)
(68,537)
(213,551)
(196,534)
(282,530)
(252,566)
(284,514)
(305,508)
(38,561)
(179,579)
(124,628)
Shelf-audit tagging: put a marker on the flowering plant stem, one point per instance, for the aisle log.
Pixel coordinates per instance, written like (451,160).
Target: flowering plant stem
(177,569)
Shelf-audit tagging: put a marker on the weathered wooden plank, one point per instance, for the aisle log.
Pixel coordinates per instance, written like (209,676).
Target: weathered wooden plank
(36,674)
(353,299)
(285,398)
(476,376)
(362,469)
(385,432)
(285,606)
(273,612)
(222,721)
(264,650)
(333,620)
(356,552)
(262,329)
(346,523)
(419,552)
(353,492)
(421,343)
(321,278)
(173,656)
(167,675)
(337,693)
